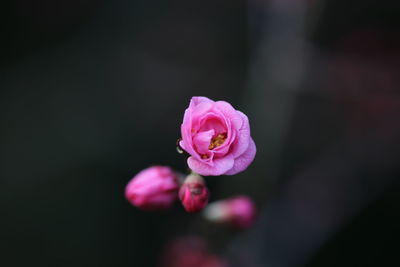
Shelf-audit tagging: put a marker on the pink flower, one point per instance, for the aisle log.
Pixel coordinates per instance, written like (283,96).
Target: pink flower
(217,137)
(238,212)
(194,193)
(154,188)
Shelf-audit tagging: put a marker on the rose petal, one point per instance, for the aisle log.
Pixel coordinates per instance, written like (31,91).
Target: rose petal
(186,132)
(244,160)
(242,138)
(201,109)
(219,167)
(221,150)
(196,100)
(202,140)
(229,112)
(213,121)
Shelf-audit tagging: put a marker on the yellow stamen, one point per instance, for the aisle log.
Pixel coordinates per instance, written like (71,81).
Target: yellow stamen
(217,141)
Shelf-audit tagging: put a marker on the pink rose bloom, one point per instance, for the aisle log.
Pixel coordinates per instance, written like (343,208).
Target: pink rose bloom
(154,188)
(194,193)
(217,137)
(238,212)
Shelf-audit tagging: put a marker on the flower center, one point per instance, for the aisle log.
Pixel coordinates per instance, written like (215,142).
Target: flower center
(217,141)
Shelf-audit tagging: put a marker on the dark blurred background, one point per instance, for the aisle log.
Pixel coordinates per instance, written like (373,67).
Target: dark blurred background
(94,91)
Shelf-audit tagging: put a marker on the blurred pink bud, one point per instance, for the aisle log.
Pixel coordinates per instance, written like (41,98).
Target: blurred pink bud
(154,188)
(239,212)
(190,251)
(194,193)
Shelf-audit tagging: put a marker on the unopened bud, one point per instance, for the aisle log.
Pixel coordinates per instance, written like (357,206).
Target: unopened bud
(238,212)
(194,193)
(154,188)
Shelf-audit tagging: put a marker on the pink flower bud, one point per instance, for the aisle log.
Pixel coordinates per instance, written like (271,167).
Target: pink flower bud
(190,251)
(194,193)
(154,188)
(239,212)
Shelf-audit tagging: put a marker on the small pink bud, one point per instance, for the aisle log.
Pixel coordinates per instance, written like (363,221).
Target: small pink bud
(190,251)
(239,212)
(154,188)
(194,193)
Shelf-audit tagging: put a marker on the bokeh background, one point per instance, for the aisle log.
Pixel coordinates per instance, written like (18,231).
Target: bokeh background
(94,91)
